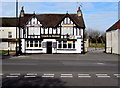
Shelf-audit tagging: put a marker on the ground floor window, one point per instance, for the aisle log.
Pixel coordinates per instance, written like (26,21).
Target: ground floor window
(36,43)
(33,43)
(69,45)
(39,43)
(66,44)
(73,44)
(60,44)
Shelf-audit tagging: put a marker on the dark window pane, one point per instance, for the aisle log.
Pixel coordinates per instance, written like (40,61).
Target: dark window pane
(36,43)
(27,43)
(73,44)
(59,45)
(69,45)
(39,43)
(64,45)
(31,43)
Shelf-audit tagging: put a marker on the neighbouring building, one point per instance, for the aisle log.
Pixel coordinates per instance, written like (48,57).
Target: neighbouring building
(48,33)
(113,39)
(8,33)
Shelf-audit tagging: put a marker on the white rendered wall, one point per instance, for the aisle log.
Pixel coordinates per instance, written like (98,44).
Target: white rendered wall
(112,41)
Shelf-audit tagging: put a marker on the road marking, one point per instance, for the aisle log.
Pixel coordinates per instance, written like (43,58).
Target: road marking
(11,76)
(84,76)
(47,76)
(29,76)
(14,73)
(116,74)
(1,74)
(100,63)
(100,76)
(66,76)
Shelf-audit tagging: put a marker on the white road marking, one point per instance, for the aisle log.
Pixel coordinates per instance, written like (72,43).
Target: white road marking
(29,76)
(103,76)
(100,63)
(116,74)
(14,73)
(11,76)
(47,76)
(66,76)
(1,74)
(84,76)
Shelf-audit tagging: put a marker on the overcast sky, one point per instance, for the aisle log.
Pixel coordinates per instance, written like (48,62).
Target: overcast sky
(97,15)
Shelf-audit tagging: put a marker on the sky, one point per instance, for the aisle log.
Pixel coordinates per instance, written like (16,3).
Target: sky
(97,15)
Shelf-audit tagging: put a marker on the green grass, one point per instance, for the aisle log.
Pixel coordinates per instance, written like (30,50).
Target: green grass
(3,52)
(98,45)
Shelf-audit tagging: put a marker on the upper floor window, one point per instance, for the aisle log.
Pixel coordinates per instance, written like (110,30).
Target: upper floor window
(9,34)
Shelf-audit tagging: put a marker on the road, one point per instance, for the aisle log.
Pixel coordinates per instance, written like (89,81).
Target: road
(92,69)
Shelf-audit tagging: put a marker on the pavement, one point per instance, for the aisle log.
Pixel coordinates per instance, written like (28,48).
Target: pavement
(94,69)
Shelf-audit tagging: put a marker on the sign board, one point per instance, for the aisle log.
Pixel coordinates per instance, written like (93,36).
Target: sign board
(50,35)
(70,41)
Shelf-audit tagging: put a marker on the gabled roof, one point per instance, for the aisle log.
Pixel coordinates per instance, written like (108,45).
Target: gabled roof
(114,26)
(8,22)
(51,20)
(47,20)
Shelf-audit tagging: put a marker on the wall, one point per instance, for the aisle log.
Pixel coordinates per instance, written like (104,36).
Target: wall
(112,41)
(4,35)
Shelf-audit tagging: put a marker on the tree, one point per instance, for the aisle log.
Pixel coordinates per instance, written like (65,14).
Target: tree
(94,35)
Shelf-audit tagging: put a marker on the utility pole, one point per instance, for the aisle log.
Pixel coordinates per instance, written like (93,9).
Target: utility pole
(16,25)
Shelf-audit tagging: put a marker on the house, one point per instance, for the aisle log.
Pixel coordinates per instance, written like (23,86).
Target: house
(8,33)
(113,39)
(49,33)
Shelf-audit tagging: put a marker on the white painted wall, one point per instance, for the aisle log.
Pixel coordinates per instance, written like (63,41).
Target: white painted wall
(4,35)
(113,41)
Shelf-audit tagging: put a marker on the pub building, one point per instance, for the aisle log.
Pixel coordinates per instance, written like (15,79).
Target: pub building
(51,33)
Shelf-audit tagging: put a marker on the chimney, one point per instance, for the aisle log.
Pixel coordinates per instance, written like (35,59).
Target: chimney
(79,12)
(22,12)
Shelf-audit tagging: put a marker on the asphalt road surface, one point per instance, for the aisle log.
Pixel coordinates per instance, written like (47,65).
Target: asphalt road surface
(81,70)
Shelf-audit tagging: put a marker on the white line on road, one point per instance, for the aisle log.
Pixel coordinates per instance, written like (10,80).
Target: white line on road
(31,73)
(11,76)
(84,76)
(14,73)
(116,74)
(103,76)
(1,74)
(29,76)
(66,76)
(47,76)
